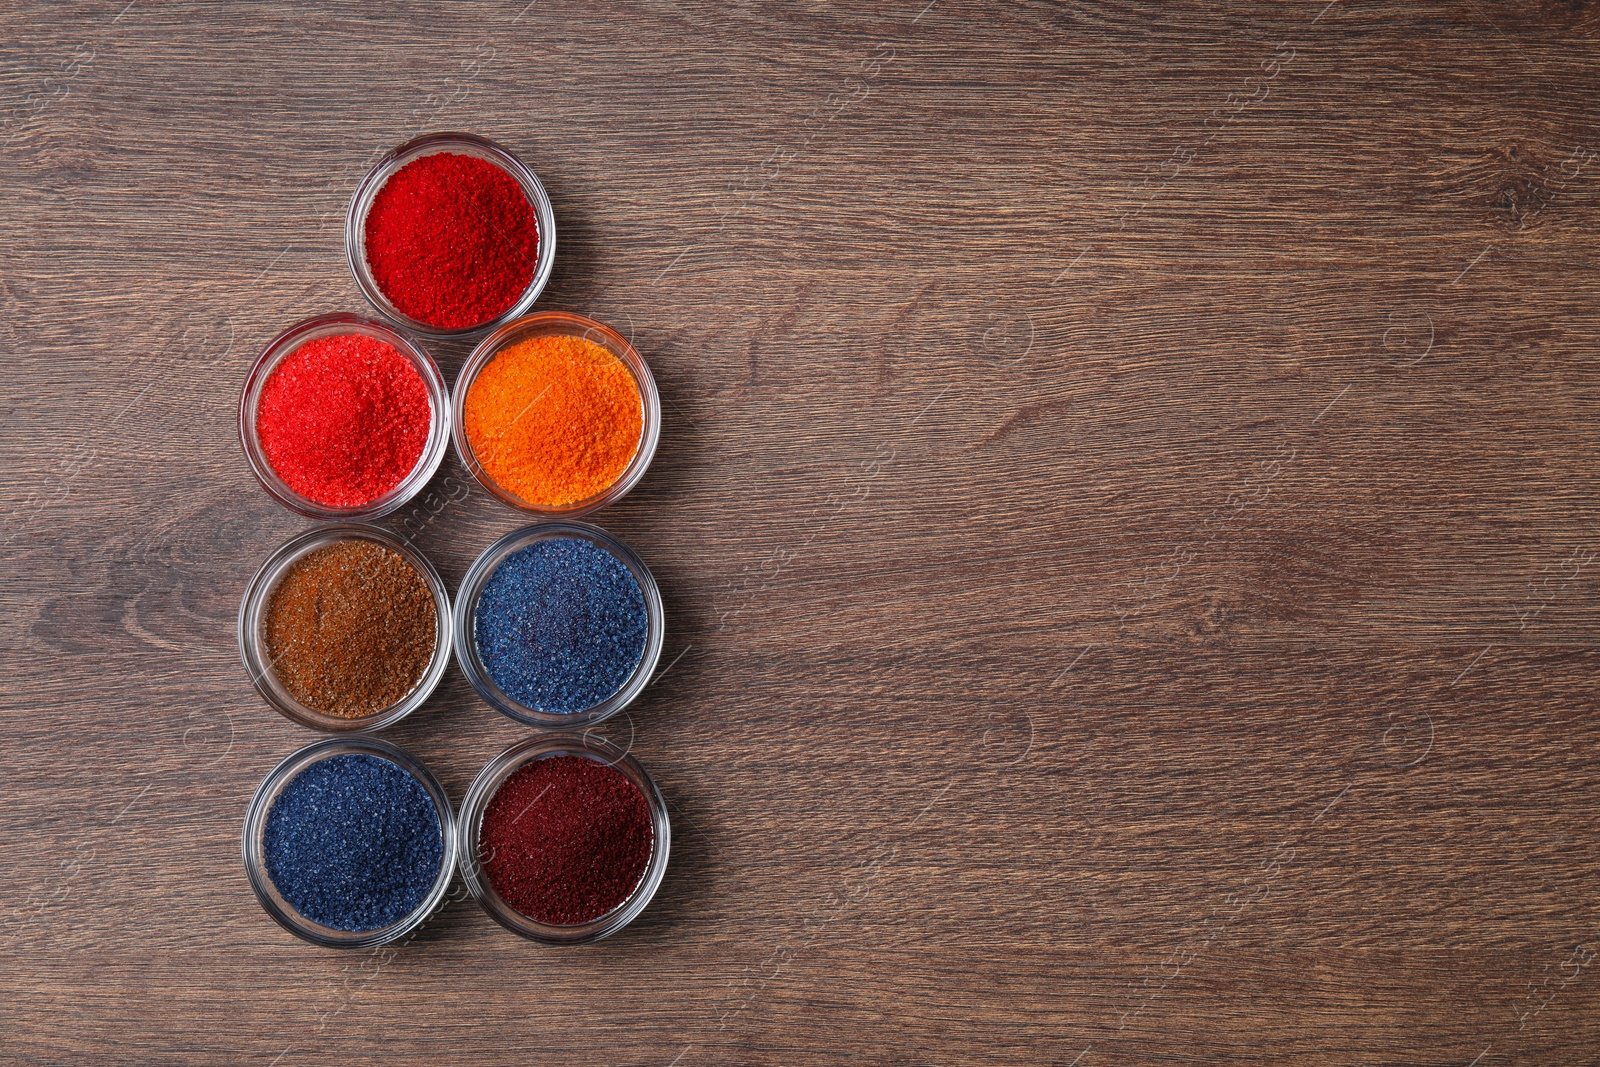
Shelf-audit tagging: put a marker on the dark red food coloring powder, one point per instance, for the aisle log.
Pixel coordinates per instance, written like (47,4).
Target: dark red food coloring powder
(451,240)
(566,839)
(343,419)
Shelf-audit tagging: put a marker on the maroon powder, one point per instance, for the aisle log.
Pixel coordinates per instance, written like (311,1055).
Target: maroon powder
(566,839)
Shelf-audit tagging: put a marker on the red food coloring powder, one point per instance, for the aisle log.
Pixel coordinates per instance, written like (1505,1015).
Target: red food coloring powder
(344,419)
(566,839)
(451,240)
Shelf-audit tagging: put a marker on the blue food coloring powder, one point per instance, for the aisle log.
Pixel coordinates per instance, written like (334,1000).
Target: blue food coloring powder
(560,625)
(353,842)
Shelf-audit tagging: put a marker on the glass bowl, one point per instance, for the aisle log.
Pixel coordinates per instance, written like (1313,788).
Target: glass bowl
(487,784)
(465,625)
(565,324)
(254,851)
(252,630)
(328,326)
(461,144)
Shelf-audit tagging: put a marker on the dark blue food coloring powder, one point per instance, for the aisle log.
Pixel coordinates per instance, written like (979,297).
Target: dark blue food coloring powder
(560,625)
(353,842)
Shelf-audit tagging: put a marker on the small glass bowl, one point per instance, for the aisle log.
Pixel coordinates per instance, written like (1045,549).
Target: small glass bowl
(465,626)
(253,642)
(254,850)
(328,326)
(564,324)
(461,144)
(487,784)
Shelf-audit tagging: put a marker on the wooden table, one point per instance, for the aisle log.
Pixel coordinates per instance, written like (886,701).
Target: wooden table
(1125,505)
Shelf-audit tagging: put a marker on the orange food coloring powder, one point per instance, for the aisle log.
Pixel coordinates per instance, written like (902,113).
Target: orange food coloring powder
(554,420)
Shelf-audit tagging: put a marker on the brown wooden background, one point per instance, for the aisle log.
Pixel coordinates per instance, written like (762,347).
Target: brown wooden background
(1126,505)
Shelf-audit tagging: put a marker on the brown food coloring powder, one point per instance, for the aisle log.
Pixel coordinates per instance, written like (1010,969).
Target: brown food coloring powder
(350,629)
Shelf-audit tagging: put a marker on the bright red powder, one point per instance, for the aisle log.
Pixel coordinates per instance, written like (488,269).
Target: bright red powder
(566,839)
(451,240)
(344,419)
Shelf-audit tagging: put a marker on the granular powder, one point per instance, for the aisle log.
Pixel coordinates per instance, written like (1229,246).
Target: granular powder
(561,625)
(350,628)
(554,420)
(566,839)
(451,240)
(353,842)
(343,419)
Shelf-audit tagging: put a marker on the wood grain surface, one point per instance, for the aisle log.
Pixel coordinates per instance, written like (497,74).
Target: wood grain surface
(1126,510)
